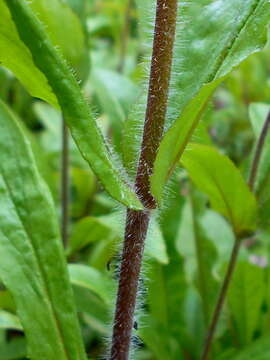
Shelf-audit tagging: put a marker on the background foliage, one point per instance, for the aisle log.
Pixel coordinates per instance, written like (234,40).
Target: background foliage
(190,241)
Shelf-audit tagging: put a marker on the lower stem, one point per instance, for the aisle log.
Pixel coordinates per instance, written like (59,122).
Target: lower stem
(136,230)
(221,299)
(64,184)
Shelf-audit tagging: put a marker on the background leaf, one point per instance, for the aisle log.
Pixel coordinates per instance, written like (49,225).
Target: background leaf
(228,193)
(229,31)
(76,111)
(33,266)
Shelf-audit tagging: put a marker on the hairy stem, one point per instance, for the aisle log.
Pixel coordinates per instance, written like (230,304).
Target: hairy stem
(124,37)
(137,221)
(258,153)
(64,184)
(221,299)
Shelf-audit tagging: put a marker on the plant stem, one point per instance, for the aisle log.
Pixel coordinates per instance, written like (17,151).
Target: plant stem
(64,183)
(258,153)
(137,221)
(221,299)
(124,37)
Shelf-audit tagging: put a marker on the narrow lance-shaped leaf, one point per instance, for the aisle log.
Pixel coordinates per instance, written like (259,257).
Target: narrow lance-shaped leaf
(75,109)
(217,176)
(32,263)
(224,34)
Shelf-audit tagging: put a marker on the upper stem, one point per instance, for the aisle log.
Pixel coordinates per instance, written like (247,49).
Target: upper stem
(164,34)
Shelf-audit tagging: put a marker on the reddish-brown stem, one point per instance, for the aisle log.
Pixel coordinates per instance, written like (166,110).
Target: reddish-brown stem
(137,221)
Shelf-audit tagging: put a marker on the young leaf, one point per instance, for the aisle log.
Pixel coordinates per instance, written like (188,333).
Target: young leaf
(228,193)
(224,34)
(75,109)
(32,263)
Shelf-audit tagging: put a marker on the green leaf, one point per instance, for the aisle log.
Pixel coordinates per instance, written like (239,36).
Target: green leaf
(115,94)
(15,56)
(32,263)
(224,34)
(245,298)
(59,21)
(215,174)
(9,321)
(15,349)
(92,279)
(75,109)
(88,230)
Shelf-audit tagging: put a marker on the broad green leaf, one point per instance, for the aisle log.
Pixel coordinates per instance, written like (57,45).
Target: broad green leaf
(32,263)
(245,298)
(215,175)
(224,34)
(75,109)
(92,279)
(59,21)
(9,321)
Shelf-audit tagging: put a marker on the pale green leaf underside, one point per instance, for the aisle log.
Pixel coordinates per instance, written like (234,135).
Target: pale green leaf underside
(9,321)
(32,263)
(215,175)
(76,112)
(224,34)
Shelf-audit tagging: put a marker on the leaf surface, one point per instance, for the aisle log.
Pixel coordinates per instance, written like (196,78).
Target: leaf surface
(216,175)
(14,55)
(224,34)
(245,298)
(76,111)
(32,263)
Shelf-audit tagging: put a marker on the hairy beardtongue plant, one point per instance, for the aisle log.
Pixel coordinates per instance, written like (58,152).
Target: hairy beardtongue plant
(193,47)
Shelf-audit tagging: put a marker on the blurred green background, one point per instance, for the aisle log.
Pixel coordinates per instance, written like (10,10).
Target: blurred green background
(172,320)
